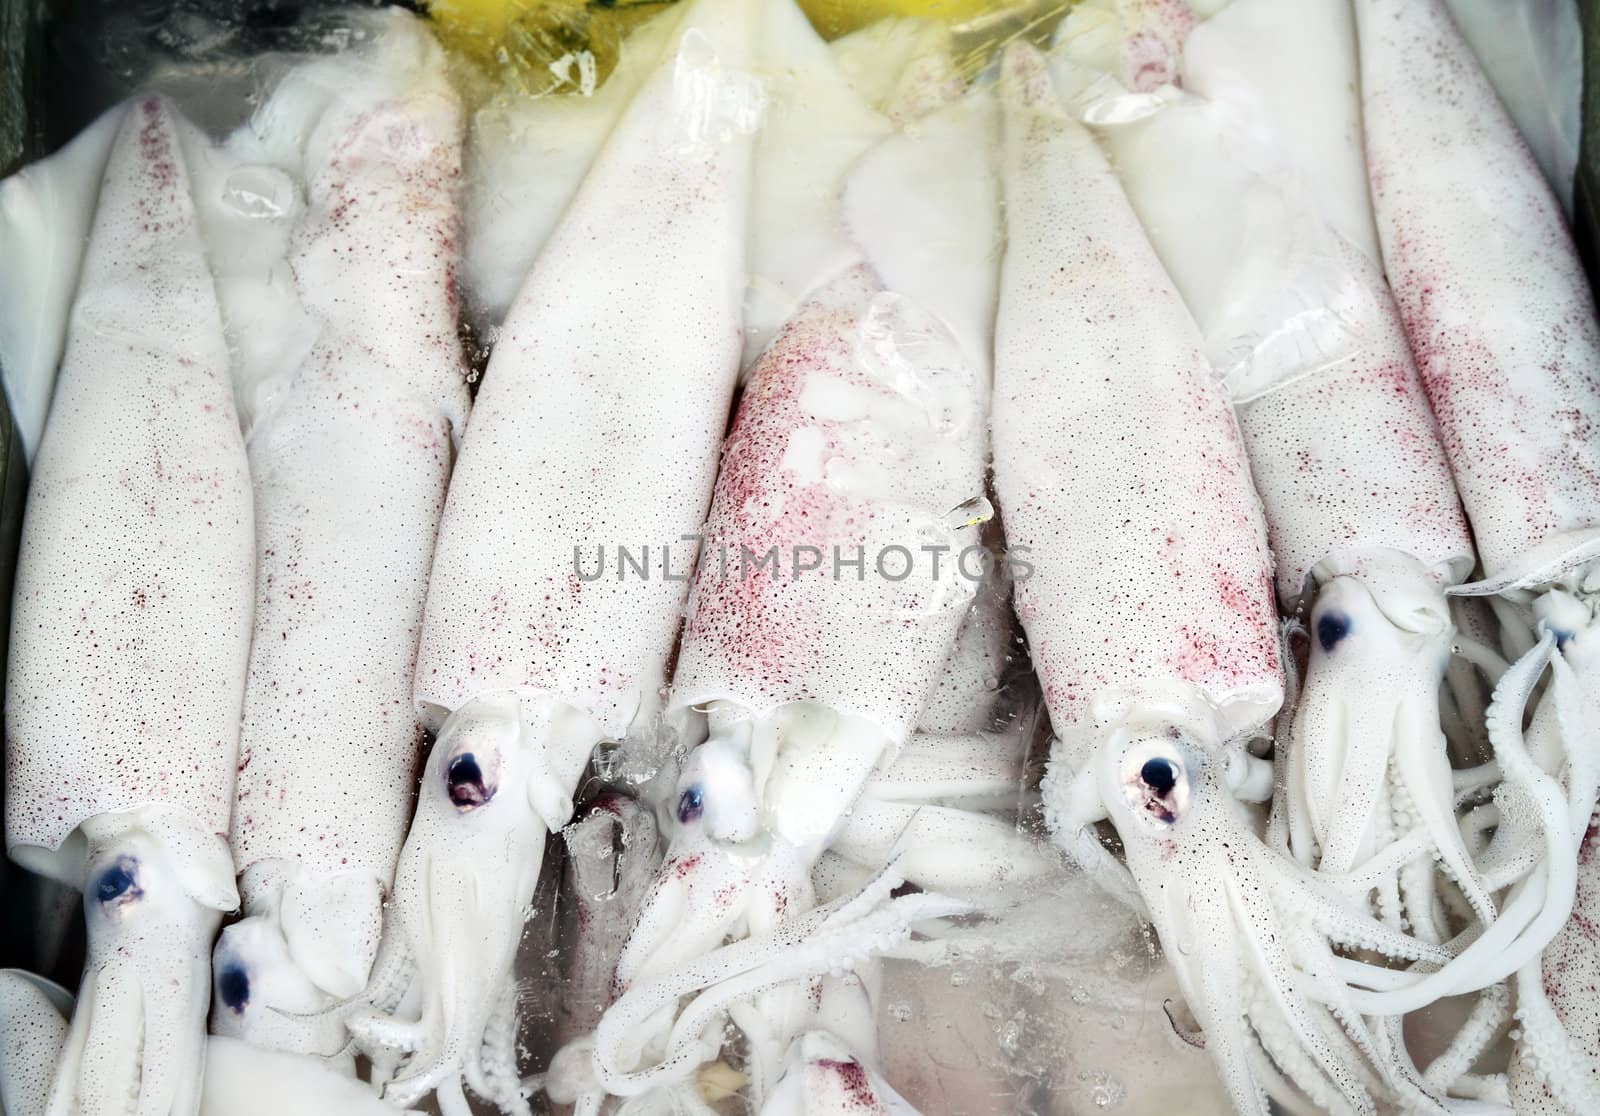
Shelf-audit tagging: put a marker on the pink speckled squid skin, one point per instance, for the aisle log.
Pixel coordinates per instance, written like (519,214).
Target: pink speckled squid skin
(1494,300)
(598,426)
(331,745)
(828,451)
(1118,464)
(131,616)
(1349,458)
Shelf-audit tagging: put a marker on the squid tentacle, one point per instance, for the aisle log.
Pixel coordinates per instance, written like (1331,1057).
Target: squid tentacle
(1548,1050)
(1271,956)
(820,940)
(1539,904)
(1487,1019)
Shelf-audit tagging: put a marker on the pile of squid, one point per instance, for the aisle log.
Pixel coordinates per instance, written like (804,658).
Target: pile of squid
(1233,359)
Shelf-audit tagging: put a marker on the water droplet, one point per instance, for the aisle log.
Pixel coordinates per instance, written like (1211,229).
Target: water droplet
(258,192)
(1104,1090)
(916,357)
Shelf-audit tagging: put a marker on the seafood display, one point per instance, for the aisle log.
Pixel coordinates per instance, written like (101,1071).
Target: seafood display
(734,555)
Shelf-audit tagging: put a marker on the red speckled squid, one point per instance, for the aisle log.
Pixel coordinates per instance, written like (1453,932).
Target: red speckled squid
(130,631)
(1150,620)
(596,429)
(350,460)
(1503,326)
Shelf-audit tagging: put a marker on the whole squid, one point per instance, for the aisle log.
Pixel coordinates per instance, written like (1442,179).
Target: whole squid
(595,430)
(1503,326)
(350,460)
(1150,620)
(130,631)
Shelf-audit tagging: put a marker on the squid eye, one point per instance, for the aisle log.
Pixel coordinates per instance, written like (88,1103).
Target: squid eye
(717,792)
(1332,627)
(691,804)
(465,782)
(1155,781)
(119,882)
(1159,775)
(233,986)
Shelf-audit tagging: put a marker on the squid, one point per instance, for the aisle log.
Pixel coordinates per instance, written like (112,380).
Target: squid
(1554,1069)
(1503,325)
(329,750)
(945,805)
(1268,234)
(1150,620)
(596,429)
(859,438)
(130,631)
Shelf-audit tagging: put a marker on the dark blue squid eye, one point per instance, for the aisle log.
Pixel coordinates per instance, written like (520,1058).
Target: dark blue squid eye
(691,804)
(1332,627)
(119,880)
(464,779)
(233,985)
(1159,775)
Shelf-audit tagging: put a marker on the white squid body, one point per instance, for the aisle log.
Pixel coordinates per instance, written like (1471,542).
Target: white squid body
(944,808)
(525,159)
(597,427)
(1532,52)
(1503,325)
(859,438)
(1555,1071)
(130,631)
(46,210)
(1150,621)
(350,465)
(1266,230)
